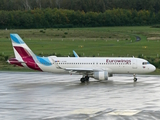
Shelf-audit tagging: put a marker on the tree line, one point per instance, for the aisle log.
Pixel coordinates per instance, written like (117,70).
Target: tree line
(58,18)
(85,5)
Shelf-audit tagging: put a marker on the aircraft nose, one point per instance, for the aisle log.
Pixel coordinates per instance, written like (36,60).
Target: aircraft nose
(153,68)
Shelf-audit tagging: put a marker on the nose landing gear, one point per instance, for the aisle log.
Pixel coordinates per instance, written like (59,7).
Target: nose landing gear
(134,79)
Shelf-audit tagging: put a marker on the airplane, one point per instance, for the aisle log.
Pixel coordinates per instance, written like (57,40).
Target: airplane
(99,68)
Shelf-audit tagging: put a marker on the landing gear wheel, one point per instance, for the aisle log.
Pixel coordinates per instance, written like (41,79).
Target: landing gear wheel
(135,79)
(82,80)
(87,78)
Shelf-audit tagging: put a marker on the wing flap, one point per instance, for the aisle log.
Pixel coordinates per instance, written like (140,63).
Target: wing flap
(82,69)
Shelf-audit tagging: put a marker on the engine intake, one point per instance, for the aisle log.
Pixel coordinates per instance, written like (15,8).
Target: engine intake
(101,75)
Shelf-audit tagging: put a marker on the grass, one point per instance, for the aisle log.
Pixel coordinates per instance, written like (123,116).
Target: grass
(100,41)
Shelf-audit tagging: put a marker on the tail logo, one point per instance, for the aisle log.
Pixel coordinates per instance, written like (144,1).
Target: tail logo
(22,51)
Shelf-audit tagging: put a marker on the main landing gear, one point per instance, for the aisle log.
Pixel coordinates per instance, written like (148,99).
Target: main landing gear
(84,79)
(135,79)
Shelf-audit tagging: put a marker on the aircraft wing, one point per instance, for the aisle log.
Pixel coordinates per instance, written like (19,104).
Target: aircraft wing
(81,70)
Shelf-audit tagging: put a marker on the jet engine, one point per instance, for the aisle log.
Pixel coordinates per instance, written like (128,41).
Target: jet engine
(101,75)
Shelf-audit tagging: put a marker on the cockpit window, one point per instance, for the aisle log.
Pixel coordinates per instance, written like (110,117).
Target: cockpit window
(145,63)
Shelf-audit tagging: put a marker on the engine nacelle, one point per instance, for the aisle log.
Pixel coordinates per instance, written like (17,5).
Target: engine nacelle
(101,75)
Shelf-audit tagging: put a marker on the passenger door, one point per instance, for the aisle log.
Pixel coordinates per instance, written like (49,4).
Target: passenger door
(134,64)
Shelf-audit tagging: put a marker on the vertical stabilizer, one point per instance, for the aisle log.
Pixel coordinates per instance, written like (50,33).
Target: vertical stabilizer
(24,55)
(21,50)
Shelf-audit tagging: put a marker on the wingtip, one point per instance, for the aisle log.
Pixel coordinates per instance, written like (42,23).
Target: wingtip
(12,34)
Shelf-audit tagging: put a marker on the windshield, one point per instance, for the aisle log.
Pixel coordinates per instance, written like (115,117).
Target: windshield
(145,63)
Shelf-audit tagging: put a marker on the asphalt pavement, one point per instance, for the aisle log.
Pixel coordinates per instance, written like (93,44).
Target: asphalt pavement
(46,96)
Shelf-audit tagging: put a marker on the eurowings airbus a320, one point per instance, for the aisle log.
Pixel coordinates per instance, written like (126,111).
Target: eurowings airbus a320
(99,68)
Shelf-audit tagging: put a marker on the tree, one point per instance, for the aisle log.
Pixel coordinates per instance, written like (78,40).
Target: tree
(58,3)
(26,4)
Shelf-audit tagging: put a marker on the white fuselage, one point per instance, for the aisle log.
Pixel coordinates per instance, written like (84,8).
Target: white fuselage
(113,65)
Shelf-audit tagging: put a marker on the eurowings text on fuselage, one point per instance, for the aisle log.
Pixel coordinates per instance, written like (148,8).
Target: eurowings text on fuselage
(99,68)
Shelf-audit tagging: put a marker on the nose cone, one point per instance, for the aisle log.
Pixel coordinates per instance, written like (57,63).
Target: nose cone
(153,68)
